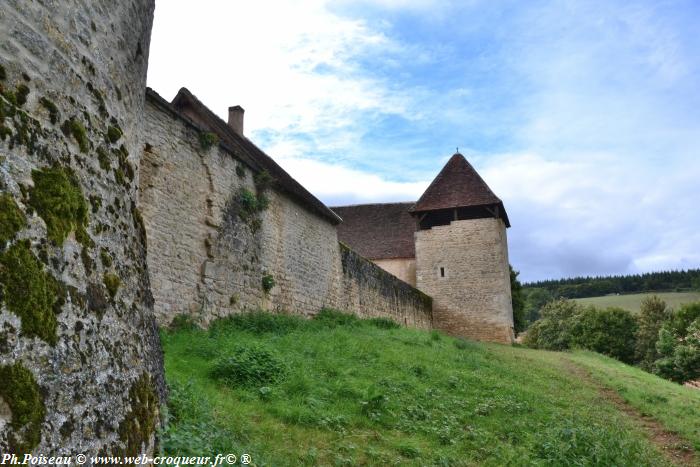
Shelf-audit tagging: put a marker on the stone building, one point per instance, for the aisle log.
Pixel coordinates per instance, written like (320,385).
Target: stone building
(450,244)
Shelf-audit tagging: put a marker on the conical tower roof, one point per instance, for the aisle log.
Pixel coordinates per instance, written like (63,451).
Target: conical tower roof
(457,185)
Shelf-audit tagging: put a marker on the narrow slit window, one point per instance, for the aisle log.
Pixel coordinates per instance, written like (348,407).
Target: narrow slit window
(442,272)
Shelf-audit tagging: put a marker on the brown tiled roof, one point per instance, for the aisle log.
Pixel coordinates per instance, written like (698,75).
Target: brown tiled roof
(244,149)
(457,185)
(378,231)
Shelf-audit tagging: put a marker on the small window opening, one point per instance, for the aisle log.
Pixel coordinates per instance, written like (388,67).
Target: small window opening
(442,272)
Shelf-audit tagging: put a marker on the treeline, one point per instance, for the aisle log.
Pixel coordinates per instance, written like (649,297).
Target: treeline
(659,340)
(582,287)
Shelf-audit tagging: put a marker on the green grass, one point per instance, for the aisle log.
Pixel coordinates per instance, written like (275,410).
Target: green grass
(632,302)
(341,391)
(675,406)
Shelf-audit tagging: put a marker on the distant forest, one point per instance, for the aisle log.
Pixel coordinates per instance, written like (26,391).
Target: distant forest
(582,287)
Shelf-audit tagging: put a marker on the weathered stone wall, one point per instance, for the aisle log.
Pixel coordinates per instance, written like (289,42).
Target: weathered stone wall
(80,361)
(299,250)
(473,298)
(209,256)
(203,261)
(403,268)
(369,291)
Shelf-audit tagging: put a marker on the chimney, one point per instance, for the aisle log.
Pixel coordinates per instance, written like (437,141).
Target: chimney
(235,118)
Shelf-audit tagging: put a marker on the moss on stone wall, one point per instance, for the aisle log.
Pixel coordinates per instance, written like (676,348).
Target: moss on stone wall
(267,282)
(105,257)
(112,282)
(57,198)
(103,159)
(54,115)
(74,128)
(12,220)
(113,134)
(140,423)
(19,390)
(21,94)
(30,292)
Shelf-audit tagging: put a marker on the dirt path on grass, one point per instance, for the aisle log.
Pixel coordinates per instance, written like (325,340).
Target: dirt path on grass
(676,449)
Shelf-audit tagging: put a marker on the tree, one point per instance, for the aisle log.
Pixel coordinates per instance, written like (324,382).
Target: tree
(679,345)
(652,315)
(518,300)
(535,299)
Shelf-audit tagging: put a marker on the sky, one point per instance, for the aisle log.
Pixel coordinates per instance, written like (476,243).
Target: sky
(582,116)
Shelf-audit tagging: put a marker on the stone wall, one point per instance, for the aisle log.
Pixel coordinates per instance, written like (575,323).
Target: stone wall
(210,256)
(473,298)
(403,268)
(80,360)
(202,261)
(369,291)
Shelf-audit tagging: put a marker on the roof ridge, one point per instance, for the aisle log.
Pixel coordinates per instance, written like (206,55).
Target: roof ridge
(371,204)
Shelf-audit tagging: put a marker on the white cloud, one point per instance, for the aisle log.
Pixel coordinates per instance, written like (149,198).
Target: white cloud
(596,214)
(291,65)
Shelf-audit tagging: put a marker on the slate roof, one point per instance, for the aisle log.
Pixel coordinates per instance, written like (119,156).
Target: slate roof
(378,231)
(185,102)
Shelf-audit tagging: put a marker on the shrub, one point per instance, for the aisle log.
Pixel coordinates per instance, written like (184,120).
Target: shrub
(553,331)
(249,367)
(610,331)
(566,324)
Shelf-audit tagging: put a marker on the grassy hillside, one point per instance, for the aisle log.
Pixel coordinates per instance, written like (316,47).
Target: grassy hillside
(340,391)
(675,406)
(632,302)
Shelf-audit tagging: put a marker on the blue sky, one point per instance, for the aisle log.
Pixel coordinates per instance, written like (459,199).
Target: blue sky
(582,116)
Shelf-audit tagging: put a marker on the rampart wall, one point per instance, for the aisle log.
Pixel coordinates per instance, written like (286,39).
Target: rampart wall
(210,254)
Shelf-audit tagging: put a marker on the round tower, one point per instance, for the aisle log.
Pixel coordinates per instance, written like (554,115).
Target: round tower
(462,254)
(80,360)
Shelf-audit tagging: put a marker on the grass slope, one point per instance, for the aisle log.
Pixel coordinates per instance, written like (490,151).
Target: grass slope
(633,302)
(340,391)
(675,406)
